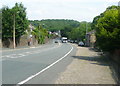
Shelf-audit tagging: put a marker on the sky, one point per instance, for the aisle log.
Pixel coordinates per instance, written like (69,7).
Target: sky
(80,10)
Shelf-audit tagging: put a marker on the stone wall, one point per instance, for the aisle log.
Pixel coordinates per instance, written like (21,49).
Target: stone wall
(0,43)
(34,41)
(7,43)
(115,61)
(116,56)
(22,42)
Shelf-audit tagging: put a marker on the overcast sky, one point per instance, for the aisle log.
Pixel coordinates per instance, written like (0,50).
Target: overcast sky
(81,10)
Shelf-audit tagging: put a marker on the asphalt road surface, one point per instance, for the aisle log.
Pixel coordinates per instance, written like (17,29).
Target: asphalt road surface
(36,65)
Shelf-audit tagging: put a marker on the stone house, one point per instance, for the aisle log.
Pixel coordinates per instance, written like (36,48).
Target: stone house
(30,36)
(90,38)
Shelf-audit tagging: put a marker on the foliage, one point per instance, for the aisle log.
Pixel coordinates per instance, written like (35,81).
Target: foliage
(0,21)
(40,34)
(69,28)
(55,24)
(107,27)
(79,32)
(63,25)
(17,13)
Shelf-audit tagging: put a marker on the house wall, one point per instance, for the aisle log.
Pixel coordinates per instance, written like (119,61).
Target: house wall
(90,39)
(87,40)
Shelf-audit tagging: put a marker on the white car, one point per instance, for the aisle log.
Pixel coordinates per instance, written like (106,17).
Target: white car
(80,43)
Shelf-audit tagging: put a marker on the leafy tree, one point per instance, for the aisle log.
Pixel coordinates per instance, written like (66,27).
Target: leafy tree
(108,29)
(7,23)
(65,26)
(0,25)
(21,19)
(79,32)
(40,34)
(56,24)
(65,31)
(17,13)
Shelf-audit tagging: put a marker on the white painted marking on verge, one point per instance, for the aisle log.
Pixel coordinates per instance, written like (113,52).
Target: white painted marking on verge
(59,43)
(3,60)
(32,47)
(29,78)
(14,56)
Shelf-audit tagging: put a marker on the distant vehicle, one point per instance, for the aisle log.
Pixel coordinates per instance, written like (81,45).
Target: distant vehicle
(64,39)
(80,43)
(68,40)
(71,41)
(56,41)
(75,41)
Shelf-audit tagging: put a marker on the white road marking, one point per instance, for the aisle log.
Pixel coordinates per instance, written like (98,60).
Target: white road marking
(59,43)
(19,49)
(8,55)
(26,53)
(29,78)
(14,56)
(2,59)
(21,55)
(32,47)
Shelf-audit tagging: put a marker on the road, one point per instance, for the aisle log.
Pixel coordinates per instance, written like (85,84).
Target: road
(36,65)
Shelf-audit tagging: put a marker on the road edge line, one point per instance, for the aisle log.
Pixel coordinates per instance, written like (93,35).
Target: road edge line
(29,78)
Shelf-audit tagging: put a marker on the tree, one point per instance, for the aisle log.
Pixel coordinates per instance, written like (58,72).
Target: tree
(108,30)
(79,32)
(40,34)
(17,13)
(7,23)
(0,21)
(21,19)
(56,24)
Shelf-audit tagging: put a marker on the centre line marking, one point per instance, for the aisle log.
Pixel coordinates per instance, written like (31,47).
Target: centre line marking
(29,78)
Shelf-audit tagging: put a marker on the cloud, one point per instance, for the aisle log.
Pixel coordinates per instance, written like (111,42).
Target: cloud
(1,5)
(68,9)
(112,0)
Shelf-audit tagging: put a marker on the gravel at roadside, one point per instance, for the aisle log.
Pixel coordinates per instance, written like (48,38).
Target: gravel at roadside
(87,67)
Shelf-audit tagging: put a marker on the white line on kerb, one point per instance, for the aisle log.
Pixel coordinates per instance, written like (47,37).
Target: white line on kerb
(29,78)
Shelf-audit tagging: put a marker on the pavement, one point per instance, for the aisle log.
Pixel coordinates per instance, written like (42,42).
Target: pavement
(87,67)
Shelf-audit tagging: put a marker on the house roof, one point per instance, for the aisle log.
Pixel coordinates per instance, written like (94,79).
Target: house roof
(91,32)
(31,27)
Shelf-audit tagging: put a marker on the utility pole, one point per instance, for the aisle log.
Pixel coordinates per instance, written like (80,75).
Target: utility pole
(14,45)
(86,35)
(14,15)
(86,27)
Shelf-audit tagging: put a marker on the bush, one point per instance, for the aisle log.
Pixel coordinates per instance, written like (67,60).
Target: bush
(107,27)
